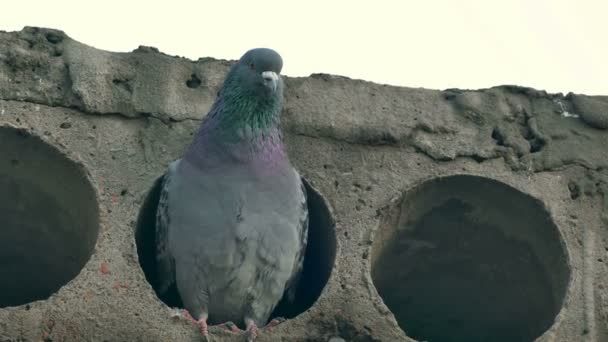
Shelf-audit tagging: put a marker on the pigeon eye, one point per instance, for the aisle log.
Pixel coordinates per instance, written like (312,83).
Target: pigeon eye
(251,66)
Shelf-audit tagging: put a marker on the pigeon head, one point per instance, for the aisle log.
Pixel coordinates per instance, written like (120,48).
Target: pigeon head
(259,71)
(252,94)
(244,119)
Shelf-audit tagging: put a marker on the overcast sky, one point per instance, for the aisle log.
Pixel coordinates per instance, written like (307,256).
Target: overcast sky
(556,45)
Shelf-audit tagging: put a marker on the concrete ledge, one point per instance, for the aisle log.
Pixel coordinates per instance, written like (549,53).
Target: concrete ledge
(102,127)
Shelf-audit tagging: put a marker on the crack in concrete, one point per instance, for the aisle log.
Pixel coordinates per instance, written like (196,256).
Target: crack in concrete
(139,115)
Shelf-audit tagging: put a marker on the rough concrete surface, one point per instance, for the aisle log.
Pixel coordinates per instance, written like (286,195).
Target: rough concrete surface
(455,215)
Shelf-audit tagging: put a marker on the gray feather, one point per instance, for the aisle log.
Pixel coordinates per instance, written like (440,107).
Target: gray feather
(234,241)
(294,280)
(165,271)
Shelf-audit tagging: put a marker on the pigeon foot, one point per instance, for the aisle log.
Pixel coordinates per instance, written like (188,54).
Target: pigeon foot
(185,314)
(201,323)
(274,322)
(252,330)
(231,326)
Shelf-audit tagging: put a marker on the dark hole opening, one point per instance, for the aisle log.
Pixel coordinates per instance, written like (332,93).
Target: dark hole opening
(536,145)
(498,137)
(194,82)
(48,219)
(470,259)
(318,261)
(575,190)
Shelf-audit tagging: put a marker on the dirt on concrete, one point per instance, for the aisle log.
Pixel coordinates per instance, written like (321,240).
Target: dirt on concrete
(506,191)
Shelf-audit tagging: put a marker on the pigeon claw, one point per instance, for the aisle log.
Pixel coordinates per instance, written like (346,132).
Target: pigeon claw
(252,330)
(202,323)
(186,315)
(274,322)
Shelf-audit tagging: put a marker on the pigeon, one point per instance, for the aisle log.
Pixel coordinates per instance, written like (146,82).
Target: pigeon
(232,218)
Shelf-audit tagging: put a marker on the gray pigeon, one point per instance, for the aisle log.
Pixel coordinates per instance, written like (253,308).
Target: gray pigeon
(232,220)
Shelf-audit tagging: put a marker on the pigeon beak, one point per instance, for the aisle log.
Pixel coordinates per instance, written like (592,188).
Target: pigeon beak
(271,80)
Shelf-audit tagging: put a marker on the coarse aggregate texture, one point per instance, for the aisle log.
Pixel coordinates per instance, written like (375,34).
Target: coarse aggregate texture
(442,215)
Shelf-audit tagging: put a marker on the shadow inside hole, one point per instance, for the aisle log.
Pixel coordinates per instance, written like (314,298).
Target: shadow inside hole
(318,261)
(465,258)
(48,218)
(194,82)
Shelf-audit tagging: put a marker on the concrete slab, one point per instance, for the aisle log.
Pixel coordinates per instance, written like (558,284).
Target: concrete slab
(422,199)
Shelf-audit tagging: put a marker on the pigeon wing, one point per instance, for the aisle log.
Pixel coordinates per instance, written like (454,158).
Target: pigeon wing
(164,259)
(294,279)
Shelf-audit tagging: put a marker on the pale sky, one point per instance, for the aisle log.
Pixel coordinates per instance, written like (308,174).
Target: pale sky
(556,45)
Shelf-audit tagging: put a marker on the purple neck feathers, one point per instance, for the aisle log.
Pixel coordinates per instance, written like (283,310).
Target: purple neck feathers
(239,130)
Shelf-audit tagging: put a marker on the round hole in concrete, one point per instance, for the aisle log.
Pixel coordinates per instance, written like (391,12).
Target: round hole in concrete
(318,261)
(466,258)
(49,218)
